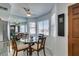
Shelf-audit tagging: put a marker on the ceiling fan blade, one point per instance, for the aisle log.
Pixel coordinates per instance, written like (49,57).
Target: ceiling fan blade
(26,9)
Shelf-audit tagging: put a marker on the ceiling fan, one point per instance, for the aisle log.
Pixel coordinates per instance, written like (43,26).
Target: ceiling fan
(3,8)
(28,11)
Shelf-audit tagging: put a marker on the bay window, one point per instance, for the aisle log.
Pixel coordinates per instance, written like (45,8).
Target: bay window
(23,28)
(32,26)
(43,27)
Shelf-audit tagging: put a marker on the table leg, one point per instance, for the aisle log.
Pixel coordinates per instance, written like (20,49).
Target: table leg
(30,50)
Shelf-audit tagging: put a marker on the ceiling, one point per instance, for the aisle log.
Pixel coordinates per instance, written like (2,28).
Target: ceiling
(37,9)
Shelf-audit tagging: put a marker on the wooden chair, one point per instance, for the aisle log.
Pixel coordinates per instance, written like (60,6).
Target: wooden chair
(18,36)
(18,48)
(40,45)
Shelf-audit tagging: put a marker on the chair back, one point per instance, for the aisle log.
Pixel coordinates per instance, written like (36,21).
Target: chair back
(24,36)
(18,36)
(41,42)
(14,44)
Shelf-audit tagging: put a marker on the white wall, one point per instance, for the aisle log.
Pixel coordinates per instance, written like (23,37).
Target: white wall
(58,44)
(62,42)
(1,31)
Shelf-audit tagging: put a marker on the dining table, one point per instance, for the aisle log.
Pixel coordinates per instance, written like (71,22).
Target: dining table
(30,42)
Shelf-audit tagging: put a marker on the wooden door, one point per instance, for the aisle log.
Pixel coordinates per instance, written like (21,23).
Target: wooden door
(73,30)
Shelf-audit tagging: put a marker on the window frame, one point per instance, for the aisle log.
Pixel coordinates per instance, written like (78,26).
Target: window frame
(43,26)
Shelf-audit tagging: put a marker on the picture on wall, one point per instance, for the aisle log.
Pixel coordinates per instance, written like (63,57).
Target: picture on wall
(61,25)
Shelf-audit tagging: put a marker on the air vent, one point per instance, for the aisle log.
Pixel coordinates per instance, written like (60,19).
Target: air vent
(3,8)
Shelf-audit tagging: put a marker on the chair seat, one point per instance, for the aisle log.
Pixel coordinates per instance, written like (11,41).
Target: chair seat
(35,47)
(21,47)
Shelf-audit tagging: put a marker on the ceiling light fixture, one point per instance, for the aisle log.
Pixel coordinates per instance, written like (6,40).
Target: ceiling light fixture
(28,12)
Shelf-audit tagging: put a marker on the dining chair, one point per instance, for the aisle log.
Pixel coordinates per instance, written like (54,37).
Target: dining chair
(18,48)
(40,45)
(18,36)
